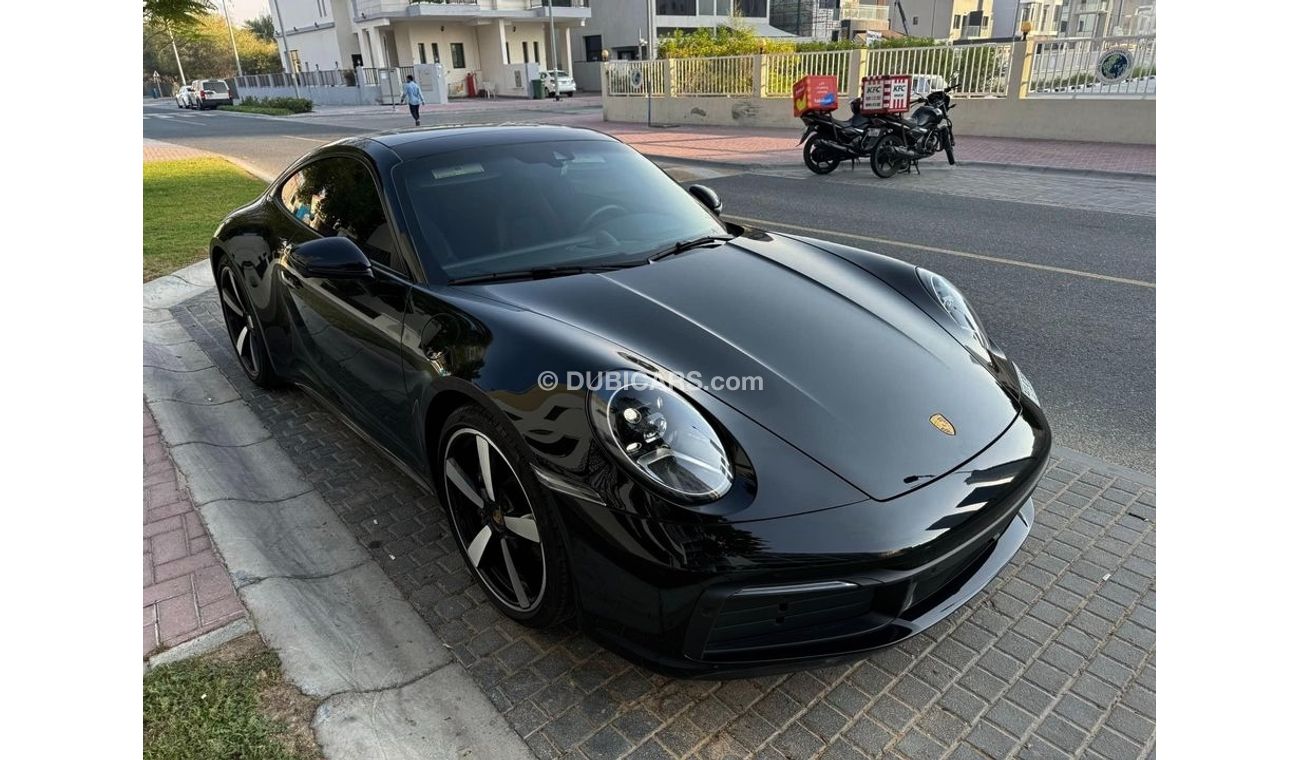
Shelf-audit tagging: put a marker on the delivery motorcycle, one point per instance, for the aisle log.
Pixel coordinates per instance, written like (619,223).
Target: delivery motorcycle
(905,139)
(827,140)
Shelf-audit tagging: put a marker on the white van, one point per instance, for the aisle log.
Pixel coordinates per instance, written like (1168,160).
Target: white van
(210,93)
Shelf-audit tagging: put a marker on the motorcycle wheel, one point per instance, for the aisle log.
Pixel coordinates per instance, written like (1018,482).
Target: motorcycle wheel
(817,161)
(883,163)
(946,137)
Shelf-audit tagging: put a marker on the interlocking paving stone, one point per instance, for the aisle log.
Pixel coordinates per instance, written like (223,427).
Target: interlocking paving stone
(574,697)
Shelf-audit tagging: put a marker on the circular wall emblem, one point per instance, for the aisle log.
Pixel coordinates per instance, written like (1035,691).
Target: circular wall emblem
(1115,64)
(634,78)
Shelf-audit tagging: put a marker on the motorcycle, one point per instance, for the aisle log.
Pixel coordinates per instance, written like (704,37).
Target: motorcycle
(904,140)
(827,140)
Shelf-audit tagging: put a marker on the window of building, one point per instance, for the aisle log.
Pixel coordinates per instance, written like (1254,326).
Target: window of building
(673,8)
(916,21)
(751,8)
(593,47)
(422,56)
(956,21)
(536,52)
(458,55)
(436,58)
(338,197)
(295,63)
(524,45)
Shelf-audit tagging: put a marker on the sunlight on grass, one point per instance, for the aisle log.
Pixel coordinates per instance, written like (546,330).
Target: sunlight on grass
(232,704)
(184,201)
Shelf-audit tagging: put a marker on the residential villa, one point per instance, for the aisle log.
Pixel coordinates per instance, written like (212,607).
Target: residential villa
(483,37)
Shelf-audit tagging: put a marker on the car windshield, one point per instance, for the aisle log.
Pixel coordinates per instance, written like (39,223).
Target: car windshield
(521,206)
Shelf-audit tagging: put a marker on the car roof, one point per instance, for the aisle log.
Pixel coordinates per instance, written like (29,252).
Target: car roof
(418,143)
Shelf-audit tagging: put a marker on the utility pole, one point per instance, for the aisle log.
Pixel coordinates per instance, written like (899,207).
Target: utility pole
(555,53)
(293,75)
(238,68)
(176,53)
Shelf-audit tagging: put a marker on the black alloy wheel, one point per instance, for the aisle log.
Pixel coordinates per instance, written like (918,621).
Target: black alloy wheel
(501,523)
(243,328)
(884,159)
(817,158)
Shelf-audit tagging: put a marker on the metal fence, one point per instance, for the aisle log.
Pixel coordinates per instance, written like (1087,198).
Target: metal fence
(981,69)
(1094,67)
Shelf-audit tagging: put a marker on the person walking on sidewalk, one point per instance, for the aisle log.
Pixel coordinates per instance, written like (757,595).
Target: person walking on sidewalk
(412,96)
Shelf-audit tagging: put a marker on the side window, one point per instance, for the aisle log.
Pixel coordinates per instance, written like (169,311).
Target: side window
(336,196)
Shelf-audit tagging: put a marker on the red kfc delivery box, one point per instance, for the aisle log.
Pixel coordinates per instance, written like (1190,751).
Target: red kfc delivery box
(816,93)
(886,94)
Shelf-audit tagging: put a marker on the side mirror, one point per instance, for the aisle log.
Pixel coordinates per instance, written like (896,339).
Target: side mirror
(331,258)
(706,196)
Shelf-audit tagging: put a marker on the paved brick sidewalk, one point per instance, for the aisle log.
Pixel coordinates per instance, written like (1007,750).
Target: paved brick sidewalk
(187,591)
(1056,658)
(156,150)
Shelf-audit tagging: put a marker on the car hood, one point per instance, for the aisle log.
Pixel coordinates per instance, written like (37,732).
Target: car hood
(852,371)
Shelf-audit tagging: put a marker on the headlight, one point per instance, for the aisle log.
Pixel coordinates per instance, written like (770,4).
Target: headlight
(667,442)
(952,301)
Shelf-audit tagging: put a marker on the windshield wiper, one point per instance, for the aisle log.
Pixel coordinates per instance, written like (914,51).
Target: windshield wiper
(538,273)
(686,245)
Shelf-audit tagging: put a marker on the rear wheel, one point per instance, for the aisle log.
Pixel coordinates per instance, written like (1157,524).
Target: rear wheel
(503,521)
(884,161)
(242,326)
(817,158)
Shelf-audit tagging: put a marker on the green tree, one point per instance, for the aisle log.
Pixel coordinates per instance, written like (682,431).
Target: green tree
(262,26)
(204,47)
(176,13)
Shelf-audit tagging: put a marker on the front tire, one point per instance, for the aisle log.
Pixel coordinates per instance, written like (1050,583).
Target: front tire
(817,159)
(946,138)
(243,327)
(505,524)
(883,162)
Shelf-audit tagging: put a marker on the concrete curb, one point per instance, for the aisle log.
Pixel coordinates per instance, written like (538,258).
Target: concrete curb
(339,624)
(200,644)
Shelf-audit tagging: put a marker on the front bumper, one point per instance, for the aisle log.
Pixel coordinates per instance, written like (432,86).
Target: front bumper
(790,593)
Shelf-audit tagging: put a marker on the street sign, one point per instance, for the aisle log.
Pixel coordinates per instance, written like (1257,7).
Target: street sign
(886,94)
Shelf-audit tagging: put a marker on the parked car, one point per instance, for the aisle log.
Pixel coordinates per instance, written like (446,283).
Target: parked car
(566,84)
(533,322)
(185,97)
(211,93)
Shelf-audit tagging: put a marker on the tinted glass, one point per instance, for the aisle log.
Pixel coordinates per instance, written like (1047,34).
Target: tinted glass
(503,208)
(215,86)
(336,196)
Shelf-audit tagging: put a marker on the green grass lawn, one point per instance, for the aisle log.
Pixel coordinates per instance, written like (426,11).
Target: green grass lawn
(232,704)
(184,201)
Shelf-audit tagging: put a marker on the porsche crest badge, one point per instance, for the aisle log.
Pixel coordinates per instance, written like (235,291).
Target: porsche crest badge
(942,424)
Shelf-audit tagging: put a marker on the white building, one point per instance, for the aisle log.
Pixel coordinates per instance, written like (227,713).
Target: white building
(1044,16)
(483,37)
(946,19)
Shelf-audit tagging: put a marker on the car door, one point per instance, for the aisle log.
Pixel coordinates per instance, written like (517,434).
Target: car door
(346,333)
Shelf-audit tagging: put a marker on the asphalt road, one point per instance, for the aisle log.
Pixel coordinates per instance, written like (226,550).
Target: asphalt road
(1066,288)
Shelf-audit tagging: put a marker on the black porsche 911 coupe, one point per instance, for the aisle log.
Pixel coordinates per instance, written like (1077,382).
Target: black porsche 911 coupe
(726,450)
